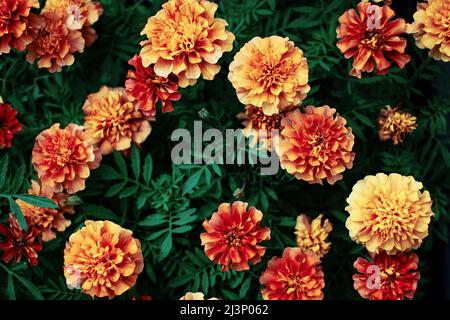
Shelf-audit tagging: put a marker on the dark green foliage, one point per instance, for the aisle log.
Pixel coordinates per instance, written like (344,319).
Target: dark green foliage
(165,205)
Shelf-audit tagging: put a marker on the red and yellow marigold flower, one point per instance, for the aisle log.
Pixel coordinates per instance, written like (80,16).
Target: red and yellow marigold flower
(316,145)
(395,125)
(372,38)
(385,277)
(431,28)
(145,88)
(79,15)
(312,236)
(104,258)
(9,125)
(63,158)
(295,276)
(17,24)
(112,121)
(270,73)
(184,38)
(47,220)
(388,213)
(195,296)
(259,126)
(19,244)
(232,236)
(55,44)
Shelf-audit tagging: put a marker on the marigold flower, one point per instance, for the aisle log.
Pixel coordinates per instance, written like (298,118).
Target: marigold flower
(259,126)
(9,125)
(195,296)
(18,244)
(431,28)
(388,212)
(47,220)
(270,73)
(55,44)
(295,276)
(312,236)
(112,122)
(184,38)
(17,24)
(372,38)
(395,125)
(316,145)
(104,258)
(145,88)
(79,15)
(232,236)
(63,158)
(387,277)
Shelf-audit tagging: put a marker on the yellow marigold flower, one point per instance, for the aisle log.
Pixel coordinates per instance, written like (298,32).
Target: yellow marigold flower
(103,258)
(112,121)
(270,73)
(395,125)
(195,296)
(47,220)
(388,213)
(312,236)
(184,38)
(431,28)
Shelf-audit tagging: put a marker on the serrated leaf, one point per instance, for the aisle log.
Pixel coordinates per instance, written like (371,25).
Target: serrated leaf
(153,220)
(135,162)
(121,164)
(192,182)
(3,169)
(166,246)
(17,212)
(37,201)
(115,189)
(148,168)
(182,229)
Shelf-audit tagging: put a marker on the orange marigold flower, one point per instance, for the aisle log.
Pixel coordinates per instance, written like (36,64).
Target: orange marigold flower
(145,88)
(18,244)
(431,28)
(259,126)
(63,158)
(395,125)
(47,220)
(388,213)
(270,73)
(372,38)
(385,277)
(195,296)
(104,258)
(316,145)
(312,236)
(184,38)
(17,24)
(9,125)
(232,236)
(79,15)
(55,44)
(295,276)
(112,122)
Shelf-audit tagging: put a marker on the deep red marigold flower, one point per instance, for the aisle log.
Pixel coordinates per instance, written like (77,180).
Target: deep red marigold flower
(18,243)
(17,24)
(372,38)
(146,88)
(63,158)
(103,258)
(316,145)
(55,44)
(79,15)
(112,121)
(186,39)
(9,125)
(47,220)
(295,276)
(385,277)
(232,236)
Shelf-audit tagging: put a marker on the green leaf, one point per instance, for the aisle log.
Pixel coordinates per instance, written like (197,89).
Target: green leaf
(17,212)
(166,246)
(182,229)
(128,192)
(37,201)
(244,288)
(153,220)
(121,164)
(135,162)
(147,170)
(115,189)
(3,169)
(156,235)
(192,182)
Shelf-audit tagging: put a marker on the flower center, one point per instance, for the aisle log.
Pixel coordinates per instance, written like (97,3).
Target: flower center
(294,283)
(269,71)
(3,124)
(63,156)
(234,238)
(20,242)
(372,39)
(317,143)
